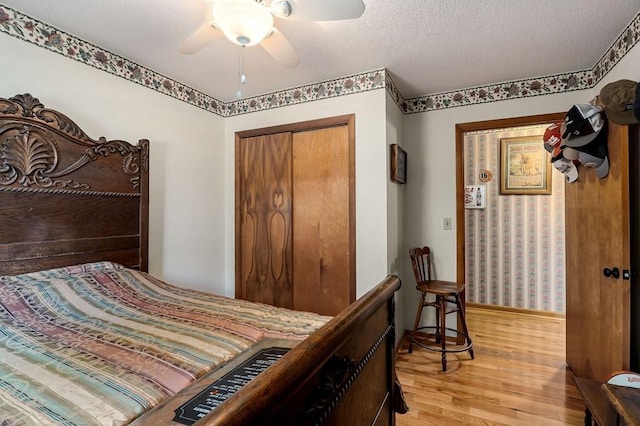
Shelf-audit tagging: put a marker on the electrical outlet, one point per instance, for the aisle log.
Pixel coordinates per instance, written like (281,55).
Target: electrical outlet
(446,223)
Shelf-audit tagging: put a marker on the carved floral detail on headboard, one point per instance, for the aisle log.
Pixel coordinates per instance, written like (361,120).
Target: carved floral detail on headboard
(30,156)
(30,159)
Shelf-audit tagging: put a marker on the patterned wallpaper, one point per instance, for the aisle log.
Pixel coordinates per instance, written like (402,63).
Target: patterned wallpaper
(26,28)
(515,246)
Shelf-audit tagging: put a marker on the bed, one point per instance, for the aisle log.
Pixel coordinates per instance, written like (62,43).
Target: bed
(74,286)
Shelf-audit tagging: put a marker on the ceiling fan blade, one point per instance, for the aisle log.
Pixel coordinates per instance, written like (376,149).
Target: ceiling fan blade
(325,10)
(280,49)
(198,39)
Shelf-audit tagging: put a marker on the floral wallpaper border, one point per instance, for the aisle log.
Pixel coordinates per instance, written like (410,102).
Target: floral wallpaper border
(24,27)
(31,30)
(500,92)
(371,80)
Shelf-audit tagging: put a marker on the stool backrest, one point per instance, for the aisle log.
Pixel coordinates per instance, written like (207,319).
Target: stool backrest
(421,262)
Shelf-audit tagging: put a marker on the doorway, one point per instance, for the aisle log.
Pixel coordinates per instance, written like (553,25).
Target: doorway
(492,290)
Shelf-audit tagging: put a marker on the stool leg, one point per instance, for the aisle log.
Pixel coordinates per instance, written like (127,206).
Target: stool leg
(443,334)
(464,325)
(437,319)
(417,323)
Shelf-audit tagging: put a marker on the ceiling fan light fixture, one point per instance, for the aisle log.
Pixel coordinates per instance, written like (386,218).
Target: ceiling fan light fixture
(244,22)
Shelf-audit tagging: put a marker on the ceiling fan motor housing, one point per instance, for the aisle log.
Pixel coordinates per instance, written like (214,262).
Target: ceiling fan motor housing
(251,22)
(244,22)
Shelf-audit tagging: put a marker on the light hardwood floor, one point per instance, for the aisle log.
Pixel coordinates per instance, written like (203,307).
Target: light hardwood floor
(518,376)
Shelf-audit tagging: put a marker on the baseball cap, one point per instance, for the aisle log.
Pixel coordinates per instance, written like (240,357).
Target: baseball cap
(621,101)
(552,136)
(596,154)
(570,153)
(600,164)
(567,168)
(582,123)
(556,154)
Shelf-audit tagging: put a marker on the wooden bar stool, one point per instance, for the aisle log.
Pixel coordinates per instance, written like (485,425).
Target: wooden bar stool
(446,293)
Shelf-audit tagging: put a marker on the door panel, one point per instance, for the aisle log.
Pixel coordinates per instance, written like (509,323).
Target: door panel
(321,220)
(263,209)
(597,237)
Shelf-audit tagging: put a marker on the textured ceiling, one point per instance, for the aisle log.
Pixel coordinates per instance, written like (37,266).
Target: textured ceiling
(428,46)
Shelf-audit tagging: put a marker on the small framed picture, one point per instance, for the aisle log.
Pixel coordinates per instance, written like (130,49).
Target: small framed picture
(398,164)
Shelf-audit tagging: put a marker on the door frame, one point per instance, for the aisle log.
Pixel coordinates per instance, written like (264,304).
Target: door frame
(348,120)
(461,128)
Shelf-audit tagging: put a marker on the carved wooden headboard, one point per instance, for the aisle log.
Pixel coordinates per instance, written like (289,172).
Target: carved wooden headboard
(66,198)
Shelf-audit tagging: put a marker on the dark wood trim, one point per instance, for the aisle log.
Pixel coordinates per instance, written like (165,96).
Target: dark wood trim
(238,216)
(144,205)
(400,344)
(461,128)
(351,128)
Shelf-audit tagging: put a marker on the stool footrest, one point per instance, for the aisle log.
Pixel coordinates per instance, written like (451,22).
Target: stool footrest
(438,348)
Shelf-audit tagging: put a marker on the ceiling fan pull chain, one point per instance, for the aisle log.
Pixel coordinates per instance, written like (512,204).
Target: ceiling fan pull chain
(242,77)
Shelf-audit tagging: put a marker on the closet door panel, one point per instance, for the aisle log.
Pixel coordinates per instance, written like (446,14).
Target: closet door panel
(263,211)
(321,220)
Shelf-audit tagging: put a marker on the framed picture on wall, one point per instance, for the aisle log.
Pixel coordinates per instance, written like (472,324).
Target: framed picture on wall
(398,164)
(524,166)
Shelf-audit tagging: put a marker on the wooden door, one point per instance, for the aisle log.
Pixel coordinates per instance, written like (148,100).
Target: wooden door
(597,237)
(321,220)
(263,218)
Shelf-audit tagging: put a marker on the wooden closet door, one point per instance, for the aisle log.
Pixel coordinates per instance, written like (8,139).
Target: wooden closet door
(597,237)
(263,212)
(321,220)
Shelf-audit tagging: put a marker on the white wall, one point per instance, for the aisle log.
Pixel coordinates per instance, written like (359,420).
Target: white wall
(192,161)
(395,203)
(192,164)
(371,181)
(187,174)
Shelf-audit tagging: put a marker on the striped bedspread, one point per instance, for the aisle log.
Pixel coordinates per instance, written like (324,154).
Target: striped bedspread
(101,344)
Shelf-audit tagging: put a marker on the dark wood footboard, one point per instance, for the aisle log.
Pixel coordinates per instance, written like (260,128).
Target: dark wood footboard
(343,374)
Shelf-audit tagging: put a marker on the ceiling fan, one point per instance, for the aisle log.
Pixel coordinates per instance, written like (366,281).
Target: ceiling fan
(250,22)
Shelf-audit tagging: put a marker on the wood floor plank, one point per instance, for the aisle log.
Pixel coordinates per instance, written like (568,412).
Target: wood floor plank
(518,377)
